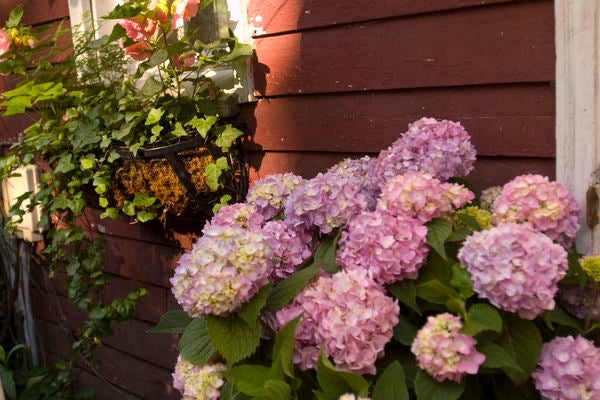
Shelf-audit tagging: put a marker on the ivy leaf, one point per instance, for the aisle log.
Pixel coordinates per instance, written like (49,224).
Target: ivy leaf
(497,357)
(285,290)
(223,201)
(86,163)
(202,125)
(151,87)
(128,208)
(140,200)
(195,345)
(428,388)
(15,16)
(213,172)
(173,321)
(179,130)
(325,253)
(334,382)
(111,212)
(523,341)
(438,230)
(482,317)
(406,292)
(123,131)
(144,216)
(404,331)
(103,202)
(154,116)
(391,385)
(249,379)
(228,136)
(64,164)
(233,337)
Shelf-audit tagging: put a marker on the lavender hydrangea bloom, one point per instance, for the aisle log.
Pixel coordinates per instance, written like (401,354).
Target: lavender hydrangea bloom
(489,196)
(548,206)
(440,148)
(288,248)
(360,173)
(198,381)
(443,352)
(420,195)
(348,316)
(224,269)
(327,201)
(577,301)
(240,214)
(568,369)
(391,248)
(515,267)
(268,194)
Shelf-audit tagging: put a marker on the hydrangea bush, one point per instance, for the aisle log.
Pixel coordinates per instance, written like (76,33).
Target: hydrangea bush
(385,278)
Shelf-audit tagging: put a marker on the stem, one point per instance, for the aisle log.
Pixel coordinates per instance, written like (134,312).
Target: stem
(164,35)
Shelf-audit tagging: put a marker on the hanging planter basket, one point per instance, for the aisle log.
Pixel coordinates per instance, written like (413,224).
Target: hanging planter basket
(174,175)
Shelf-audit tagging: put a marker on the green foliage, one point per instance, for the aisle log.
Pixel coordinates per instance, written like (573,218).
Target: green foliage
(428,388)
(174,321)
(391,385)
(334,383)
(195,345)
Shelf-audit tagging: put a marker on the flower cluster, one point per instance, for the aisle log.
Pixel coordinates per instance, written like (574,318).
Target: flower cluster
(420,195)
(440,148)
(515,267)
(288,249)
(548,206)
(591,266)
(581,302)
(240,214)
(268,194)
(346,315)
(224,269)
(568,368)
(489,196)
(360,172)
(483,217)
(327,201)
(198,381)
(391,248)
(443,352)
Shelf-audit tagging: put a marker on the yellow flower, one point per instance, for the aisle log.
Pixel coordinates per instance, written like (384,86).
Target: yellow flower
(591,266)
(483,217)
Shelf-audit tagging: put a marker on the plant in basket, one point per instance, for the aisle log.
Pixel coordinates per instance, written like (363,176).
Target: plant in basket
(131,123)
(388,278)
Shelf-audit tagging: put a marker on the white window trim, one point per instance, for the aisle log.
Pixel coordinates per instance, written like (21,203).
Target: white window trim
(578,106)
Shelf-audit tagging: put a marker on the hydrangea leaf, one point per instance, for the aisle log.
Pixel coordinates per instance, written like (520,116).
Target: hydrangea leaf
(228,392)
(406,292)
(496,356)
(249,379)
(391,385)
(523,341)
(336,382)
(482,317)
(285,291)
(461,281)
(559,316)
(233,337)
(325,253)
(436,292)
(276,390)
(438,230)
(404,331)
(470,221)
(195,345)
(173,321)
(249,311)
(428,388)
(283,349)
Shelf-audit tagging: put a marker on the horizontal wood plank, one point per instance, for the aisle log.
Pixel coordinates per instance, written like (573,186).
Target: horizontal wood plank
(472,46)
(35,11)
(268,17)
(503,120)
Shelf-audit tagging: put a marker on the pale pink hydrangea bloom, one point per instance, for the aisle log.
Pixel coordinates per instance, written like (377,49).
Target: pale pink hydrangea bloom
(224,269)
(578,301)
(288,249)
(138,28)
(351,396)
(548,206)
(327,201)
(348,316)
(441,148)
(568,369)
(183,10)
(4,42)
(360,173)
(516,267)
(489,196)
(198,381)
(269,194)
(420,195)
(443,352)
(391,248)
(240,214)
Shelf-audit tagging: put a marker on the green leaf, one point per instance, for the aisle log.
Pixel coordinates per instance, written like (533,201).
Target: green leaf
(559,316)
(406,292)
(140,200)
(470,221)
(127,10)
(233,337)
(15,16)
(250,310)
(404,331)
(8,383)
(223,201)
(154,116)
(285,290)
(144,216)
(249,379)
(436,292)
(195,345)
(157,58)
(428,388)
(276,390)
(391,385)
(117,33)
(496,356)
(523,341)
(179,130)
(173,321)
(325,253)
(128,208)
(482,317)
(64,164)
(213,172)
(228,392)
(438,230)
(202,125)
(336,382)
(123,131)
(459,234)
(283,349)
(111,212)
(228,136)
(461,281)
(151,87)
(86,163)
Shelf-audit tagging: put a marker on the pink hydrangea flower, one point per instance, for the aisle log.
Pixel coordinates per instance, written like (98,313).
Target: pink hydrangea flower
(288,249)
(359,172)
(420,195)
(198,381)
(4,42)
(183,10)
(138,28)
(578,301)
(348,316)
(138,51)
(181,62)
(269,194)
(240,214)
(327,201)
(391,248)
(440,148)
(443,352)
(224,269)
(568,369)
(548,206)
(515,267)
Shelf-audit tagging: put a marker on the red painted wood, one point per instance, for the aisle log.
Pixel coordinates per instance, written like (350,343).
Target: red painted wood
(474,46)
(272,17)
(509,120)
(35,11)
